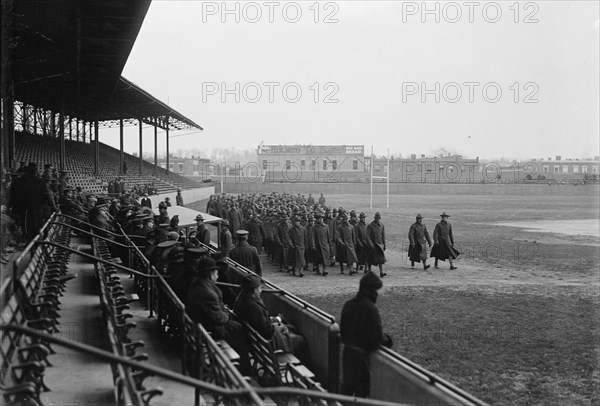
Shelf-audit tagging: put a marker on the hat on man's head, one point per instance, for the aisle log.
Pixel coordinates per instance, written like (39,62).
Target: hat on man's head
(207,264)
(199,217)
(195,252)
(377,215)
(362,215)
(241,234)
(173,235)
(250,282)
(370,282)
(101,202)
(444,215)
(162,205)
(419,216)
(166,244)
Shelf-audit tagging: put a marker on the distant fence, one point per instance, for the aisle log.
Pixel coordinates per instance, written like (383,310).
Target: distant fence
(416,188)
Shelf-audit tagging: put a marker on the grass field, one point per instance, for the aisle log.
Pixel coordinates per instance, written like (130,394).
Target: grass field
(517,324)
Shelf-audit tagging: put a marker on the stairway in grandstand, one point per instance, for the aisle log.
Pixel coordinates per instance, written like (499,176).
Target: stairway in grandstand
(79,161)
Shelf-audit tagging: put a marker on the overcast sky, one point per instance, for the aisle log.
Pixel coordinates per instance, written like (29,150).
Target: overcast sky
(487,79)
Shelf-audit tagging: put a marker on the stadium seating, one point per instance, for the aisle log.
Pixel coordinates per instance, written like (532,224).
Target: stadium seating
(79,163)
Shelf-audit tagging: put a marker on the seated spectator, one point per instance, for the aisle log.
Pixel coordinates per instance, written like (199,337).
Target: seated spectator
(204,304)
(250,308)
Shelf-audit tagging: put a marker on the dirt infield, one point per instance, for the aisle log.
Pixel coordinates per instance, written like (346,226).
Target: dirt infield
(517,323)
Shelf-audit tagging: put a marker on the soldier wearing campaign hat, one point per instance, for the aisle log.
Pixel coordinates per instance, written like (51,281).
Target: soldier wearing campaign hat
(444,242)
(360,232)
(256,231)
(282,241)
(376,243)
(418,236)
(163,215)
(310,252)
(202,233)
(226,240)
(346,241)
(298,246)
(322,244)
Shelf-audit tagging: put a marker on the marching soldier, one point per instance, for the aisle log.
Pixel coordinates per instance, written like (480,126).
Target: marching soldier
(345,245)
(418,236)
(376,243)
(444,242)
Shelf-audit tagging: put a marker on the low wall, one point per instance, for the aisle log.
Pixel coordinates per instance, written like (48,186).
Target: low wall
(415,189)
(189,195)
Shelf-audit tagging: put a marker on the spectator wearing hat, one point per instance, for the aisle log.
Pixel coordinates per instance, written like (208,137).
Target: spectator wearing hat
(163,215)
(179,198)
(444,242)
(146,202)
(204,304)
(245,254)
(346,240)
(361,332)
(376,243)
(418,236)
(202,233)
(311,200)
(182,278)
(164,253)
(226,240)
(298,246)
(360,232)
(250,308)
(69,206)
(168,201)
(322,244)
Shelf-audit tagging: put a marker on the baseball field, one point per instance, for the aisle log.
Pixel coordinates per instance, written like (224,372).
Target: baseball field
(518,323)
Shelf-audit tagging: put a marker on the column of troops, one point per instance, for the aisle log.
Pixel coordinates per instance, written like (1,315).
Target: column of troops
(300,234)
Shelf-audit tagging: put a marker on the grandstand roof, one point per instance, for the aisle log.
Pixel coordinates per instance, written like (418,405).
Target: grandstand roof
(70,54)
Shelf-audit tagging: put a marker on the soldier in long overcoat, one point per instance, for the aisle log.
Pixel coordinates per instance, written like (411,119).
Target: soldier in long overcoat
(282,241)
(376,243)
(418,236)
(444,242)
(298,245)
(322,244)
(362,246)
(346,241)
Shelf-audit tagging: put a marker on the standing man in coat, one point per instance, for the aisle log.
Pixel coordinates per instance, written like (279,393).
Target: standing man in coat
(376,243)
(362,333)
(179,198)
(256,231)
(444,242)
(245,254)
(146,202)
(346,241)
(298,240)
(282,240)
(202,233)
(234,216)
(322,244)
(418,236)
(362,246)
(226,238)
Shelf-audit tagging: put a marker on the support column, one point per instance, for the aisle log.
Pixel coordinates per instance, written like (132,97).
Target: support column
(6,86)
(61,134)
(35,123)
(167,138)
(77,130)
(141,168)
(155,145)
(53,124)
(121,155)
(70,128)
(96,149)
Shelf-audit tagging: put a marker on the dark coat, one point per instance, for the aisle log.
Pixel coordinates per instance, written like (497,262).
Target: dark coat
(235,219)
(345,244)
(256,233)
(418,237)
(203,235)
(204,304)
(376,242)
(298,238)
(226,241)
(253,311)
(322,244)
(146,202)
(444,242)
(362,246)
(179,199)
(247,256)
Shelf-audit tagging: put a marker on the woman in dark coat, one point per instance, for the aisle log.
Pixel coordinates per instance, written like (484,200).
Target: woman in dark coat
(444,242)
